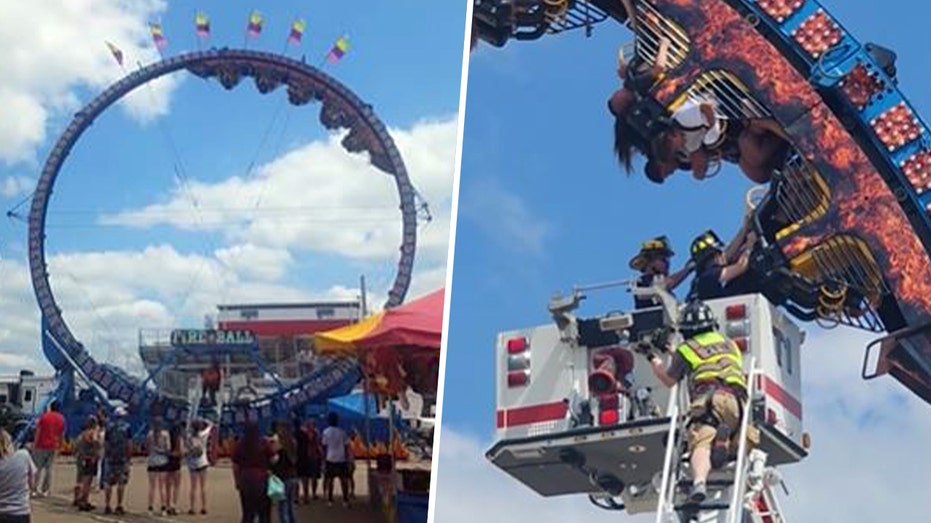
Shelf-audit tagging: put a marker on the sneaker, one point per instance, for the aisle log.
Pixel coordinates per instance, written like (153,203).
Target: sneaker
(329,503)
(699,493)
(203,512)
(119,511)
(345,504)
(107,510)
(191,512)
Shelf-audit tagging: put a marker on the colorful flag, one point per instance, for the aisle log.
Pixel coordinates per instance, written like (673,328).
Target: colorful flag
(297,31)
(203,25)
(255,24)
(340,48)
(117,54)
(157,36)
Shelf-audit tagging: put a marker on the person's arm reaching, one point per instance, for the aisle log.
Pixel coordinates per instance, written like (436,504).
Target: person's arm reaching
(676,278)
(659,370)
(733,248)
(738,269)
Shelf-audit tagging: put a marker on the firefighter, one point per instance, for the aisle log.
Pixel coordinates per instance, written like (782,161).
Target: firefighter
(722,271)
(652,262)
(717,388)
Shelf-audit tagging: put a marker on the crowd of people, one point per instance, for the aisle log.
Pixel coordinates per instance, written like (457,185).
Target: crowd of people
(281,469)
(284,468)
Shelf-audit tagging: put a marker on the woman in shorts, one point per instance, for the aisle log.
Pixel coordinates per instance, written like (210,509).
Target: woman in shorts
(173,468)
(195,456)
(87,454)
(158,443)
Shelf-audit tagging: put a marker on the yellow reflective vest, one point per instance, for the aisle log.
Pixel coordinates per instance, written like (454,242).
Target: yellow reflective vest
(711,357)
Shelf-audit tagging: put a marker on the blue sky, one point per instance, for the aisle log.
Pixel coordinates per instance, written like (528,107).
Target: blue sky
(544,206)
(124,252)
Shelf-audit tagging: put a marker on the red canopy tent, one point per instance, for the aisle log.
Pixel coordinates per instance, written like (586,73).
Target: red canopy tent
(398,347)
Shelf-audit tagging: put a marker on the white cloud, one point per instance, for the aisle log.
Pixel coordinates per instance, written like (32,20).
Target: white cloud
(13,186)
(258,262)
(867,462)
(56,48)
(16,361)
(503,216)
(107,296)
(318,197)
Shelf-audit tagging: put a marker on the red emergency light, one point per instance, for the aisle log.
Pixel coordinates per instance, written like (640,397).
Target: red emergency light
(608,409)
(517,345)
(518,378)
(735,312)
(743,344)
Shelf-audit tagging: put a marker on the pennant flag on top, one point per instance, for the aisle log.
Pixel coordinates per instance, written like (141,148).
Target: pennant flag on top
(255,24)
(157,36)
(340,48)
(203,25)
(115,51)
(297,31)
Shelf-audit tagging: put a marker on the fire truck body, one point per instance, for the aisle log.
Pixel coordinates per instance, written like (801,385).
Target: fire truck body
(560,431)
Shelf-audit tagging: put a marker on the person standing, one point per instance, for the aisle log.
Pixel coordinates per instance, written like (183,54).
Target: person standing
(17,479)
(336,450)
(87,454)
(116,460)
(158,444)
(197,462)
(251,462)
(309,459)
(50,433)
(285,467)
(173,468)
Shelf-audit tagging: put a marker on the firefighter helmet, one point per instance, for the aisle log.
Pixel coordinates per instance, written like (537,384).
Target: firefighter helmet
(697,317)
(658,246)
(705,246)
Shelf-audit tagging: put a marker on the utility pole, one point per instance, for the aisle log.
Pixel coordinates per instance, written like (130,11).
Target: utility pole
(365,311)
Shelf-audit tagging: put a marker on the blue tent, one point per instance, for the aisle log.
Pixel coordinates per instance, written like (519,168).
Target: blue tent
(351,411)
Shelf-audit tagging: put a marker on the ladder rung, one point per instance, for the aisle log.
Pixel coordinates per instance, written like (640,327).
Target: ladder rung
(720,505)
(709,482)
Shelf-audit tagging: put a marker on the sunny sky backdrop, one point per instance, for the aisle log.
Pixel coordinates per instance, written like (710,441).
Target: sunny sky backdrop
(543,206)
(187,195)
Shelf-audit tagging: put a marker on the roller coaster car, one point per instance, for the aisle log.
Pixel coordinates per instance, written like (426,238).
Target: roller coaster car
(497,21)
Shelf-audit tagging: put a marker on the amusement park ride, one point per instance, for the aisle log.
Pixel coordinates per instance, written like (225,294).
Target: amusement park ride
(107,385)
(844,230)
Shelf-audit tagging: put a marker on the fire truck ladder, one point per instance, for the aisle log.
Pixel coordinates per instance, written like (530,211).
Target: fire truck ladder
(742,492)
